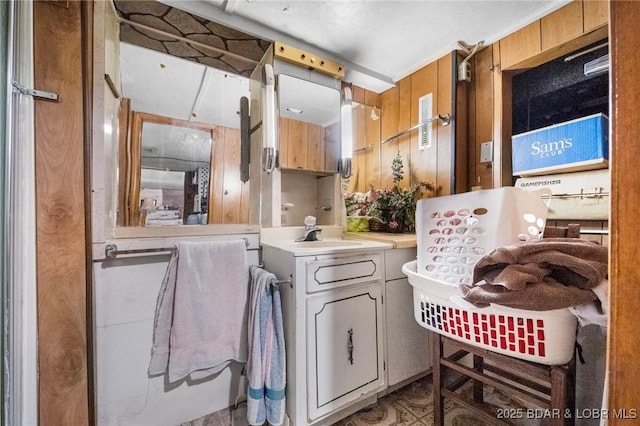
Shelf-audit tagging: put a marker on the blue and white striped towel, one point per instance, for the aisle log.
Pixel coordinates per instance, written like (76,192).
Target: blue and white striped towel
(266,364)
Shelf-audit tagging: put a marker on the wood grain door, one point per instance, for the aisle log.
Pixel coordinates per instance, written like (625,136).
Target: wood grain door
(61,221)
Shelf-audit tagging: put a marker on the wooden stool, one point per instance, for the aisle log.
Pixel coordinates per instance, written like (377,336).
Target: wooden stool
(549,386)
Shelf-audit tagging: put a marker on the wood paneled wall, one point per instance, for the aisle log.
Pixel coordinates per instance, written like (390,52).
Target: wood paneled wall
(366,146)
(400,111)
(60,216)
(624,273)
(230,197)
(582,23)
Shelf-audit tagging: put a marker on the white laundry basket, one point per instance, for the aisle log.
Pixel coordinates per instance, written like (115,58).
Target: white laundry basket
(453,233)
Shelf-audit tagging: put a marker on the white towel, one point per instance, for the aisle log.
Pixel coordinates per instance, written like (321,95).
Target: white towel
(200,323)
(266,366)
(592,313)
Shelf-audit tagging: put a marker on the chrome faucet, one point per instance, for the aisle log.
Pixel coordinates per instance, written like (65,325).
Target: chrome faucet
(311,230)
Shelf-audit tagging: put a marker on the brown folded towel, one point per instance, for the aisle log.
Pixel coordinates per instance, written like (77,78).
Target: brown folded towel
(541,296)
(539,275)
(571,261)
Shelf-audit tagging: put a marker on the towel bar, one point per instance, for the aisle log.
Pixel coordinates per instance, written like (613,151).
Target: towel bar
(287,281)
(111,250)
(278,282)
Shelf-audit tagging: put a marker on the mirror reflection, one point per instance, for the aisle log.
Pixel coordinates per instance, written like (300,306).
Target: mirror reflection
(309,125)
(183,149)
(175,169)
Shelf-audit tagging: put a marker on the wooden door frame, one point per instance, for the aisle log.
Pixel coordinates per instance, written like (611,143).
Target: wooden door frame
(624,274)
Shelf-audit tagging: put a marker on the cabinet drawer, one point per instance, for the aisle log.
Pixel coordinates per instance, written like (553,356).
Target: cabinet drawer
(332,273)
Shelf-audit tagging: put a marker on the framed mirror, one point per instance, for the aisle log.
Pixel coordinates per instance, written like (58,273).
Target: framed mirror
(170,171)
(180,142)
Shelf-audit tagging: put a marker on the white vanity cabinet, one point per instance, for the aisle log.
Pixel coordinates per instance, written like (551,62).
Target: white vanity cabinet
(334,330)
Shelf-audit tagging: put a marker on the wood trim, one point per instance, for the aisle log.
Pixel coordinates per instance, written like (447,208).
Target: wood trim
(483,130)
(502,124)
(124,117)
(444,166)
(87,11)
(216,184)
(60,217)
(460,113)
(133,168)
(624,273)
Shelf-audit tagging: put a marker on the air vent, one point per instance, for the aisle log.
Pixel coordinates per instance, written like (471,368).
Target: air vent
(425,112)
(597,66)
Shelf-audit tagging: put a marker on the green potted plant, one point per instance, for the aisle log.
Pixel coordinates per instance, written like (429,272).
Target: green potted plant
(396,206)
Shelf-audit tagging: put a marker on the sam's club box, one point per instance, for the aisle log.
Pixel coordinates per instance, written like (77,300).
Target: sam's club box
(580,144)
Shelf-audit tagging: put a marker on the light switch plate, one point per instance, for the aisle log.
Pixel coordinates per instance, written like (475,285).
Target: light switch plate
(486,152)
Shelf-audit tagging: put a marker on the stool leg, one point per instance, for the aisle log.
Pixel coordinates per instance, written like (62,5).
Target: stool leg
(438,400)
(478,365)
(561,396)
(571,391)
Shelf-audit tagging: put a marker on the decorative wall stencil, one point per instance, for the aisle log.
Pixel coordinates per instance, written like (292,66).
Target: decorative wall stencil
(169,30)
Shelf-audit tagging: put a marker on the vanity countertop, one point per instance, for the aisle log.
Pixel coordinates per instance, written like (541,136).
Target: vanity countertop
(397,240)
(325,246)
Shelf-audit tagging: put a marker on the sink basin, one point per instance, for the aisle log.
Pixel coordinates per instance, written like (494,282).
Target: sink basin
(325,244)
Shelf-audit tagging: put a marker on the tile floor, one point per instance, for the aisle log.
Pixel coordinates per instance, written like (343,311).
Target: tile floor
(410,405)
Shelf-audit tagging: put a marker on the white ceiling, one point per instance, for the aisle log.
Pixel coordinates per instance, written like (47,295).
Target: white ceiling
(379,41)
(165,85)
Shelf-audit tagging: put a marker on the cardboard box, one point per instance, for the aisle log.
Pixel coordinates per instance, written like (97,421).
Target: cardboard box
(579,195)
(576,145)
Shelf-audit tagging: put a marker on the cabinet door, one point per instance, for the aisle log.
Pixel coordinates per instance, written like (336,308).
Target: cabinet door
(562,25)
(596,14)
(298,144)
(315,147)
(408,344)
(520,45)
(344,343)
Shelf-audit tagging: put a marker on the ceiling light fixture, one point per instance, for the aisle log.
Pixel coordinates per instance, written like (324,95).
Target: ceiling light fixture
(294,110)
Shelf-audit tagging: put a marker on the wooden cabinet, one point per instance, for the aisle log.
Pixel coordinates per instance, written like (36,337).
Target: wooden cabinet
(561,26)
(520,45)
(303,147)
(596,14)
(555,34)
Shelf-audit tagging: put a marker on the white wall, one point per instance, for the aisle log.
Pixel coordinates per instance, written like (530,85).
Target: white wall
(309,194)
(125,299)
